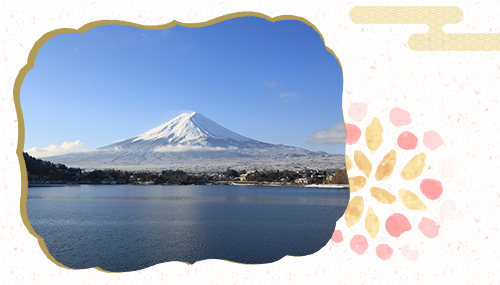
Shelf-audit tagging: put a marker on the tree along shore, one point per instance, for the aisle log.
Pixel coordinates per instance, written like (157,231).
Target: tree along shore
(42,172)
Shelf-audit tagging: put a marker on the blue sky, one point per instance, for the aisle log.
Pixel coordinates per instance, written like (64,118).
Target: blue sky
(274,82)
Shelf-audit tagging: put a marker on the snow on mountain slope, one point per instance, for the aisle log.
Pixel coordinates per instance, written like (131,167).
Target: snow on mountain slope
(188,127)
(195,143)
(187,132)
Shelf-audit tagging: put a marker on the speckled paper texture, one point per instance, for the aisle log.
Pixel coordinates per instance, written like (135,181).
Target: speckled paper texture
(422,132)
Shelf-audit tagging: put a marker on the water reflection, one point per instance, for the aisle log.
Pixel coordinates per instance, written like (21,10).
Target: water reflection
(273,200)
(129,228)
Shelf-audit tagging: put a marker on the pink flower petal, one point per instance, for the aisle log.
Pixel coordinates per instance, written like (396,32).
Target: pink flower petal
(399,117)
(407,141)
(359,244)
(384,251)
(353,133)
(357,111)
(408,253)
(429,227)
(448,209)
(337,236)
(397,224)
(432,140)
(431,188)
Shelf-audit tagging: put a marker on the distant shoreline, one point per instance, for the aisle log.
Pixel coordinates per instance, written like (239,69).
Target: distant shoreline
(53,184)
(231,183)
(338,186)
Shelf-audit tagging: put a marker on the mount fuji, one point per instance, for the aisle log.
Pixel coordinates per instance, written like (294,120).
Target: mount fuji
(194,143)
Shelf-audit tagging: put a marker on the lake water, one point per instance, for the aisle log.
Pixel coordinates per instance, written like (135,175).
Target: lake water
(129,227)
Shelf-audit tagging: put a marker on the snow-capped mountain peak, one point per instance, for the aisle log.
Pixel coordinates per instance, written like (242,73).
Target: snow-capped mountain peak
(187,127)
(195,143)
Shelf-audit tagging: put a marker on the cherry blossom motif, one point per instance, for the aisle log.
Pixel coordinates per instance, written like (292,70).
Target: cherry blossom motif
(414,167)
(386,166)
(357,111)
(337,236)
(429,227)
(352,133)
(372,223)
(448,210)
(399,117)
(383,196)
(432,140)
(409,253)
(348,163)
(431,188)
(407,141)
(362,162)
(397,224)
(364,208)
(373,135)
(359,244)
(354,211)
(356,183)
(384,251)
(411,201)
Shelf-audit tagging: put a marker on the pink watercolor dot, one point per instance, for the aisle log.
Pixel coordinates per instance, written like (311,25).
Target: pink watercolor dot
(448,210)
(429,227)
(353,133)
(359,244)
(337,236)
(409,253)
(357,111)
(384,251)
(397,224)
(431,188)
(407,141)
(399,117)
(432,140)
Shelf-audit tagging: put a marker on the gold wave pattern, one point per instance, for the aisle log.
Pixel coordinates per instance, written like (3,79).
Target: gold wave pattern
(435,17)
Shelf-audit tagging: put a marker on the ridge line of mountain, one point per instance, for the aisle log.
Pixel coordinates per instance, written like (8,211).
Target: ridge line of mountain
(192,141)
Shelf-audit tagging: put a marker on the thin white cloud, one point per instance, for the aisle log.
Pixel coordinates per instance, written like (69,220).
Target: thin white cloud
(181,148)
(287,95)
(270,84)
(333,135)
(166,32)
(64,148)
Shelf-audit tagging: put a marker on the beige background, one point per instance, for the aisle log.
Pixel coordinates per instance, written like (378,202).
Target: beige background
(454,93)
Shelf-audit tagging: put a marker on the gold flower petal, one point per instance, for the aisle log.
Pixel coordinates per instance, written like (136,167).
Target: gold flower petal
(373,135)
(382,195)
(356,183)
(386,166)
(411,201)
(354,211)
(372,224)
(414,167)
(362,162)
(348,162)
